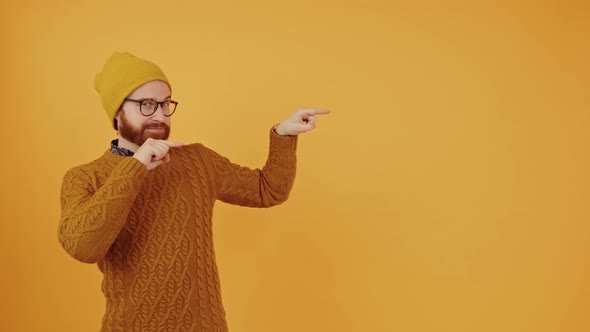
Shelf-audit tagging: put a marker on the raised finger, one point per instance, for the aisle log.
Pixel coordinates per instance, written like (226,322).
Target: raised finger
(173,144)
(313,111)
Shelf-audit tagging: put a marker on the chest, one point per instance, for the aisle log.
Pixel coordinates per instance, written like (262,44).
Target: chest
(173,207)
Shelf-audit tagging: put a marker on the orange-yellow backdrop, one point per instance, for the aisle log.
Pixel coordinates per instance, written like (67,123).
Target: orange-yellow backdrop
(448,191)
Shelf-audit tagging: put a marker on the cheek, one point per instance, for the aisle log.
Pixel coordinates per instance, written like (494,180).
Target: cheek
(135,121)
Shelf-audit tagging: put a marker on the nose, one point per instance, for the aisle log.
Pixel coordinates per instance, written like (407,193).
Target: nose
(158,115)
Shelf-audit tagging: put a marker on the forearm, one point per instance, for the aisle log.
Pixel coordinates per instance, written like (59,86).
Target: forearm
(264,187)
(92,219)
(278,174)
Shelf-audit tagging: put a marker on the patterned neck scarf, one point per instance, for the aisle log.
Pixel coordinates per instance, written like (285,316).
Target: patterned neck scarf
(115,149)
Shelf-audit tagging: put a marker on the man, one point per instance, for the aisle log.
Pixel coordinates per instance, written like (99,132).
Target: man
(143,210)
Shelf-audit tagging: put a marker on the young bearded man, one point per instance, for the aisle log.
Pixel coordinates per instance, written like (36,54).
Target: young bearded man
(143,210)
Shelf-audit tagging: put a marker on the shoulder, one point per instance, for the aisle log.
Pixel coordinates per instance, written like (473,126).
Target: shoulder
(87,170)
(199,154)
(194,148)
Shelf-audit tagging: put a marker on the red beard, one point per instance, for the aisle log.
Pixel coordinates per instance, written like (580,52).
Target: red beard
(139,136)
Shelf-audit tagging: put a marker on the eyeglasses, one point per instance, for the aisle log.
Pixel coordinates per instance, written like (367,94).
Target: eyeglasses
(148,107)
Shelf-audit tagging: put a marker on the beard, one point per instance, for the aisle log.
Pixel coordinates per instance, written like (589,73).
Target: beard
(140,135)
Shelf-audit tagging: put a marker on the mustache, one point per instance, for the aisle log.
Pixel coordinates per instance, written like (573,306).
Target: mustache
(156,125)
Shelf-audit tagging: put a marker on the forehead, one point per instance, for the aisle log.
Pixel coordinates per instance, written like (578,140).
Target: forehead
(155,89)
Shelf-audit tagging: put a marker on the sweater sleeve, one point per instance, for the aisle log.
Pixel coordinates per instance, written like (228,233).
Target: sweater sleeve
(91,218)
(266,187)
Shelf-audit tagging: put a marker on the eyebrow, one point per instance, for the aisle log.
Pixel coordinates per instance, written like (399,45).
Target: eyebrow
(169,97)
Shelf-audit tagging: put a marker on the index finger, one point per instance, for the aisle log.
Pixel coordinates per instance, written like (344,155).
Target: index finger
(314,111)
(173,144)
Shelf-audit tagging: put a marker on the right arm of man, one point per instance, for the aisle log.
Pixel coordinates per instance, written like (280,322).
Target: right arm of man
(92,218)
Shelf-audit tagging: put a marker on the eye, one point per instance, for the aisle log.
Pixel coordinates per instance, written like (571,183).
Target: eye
(166,103)
(148,103)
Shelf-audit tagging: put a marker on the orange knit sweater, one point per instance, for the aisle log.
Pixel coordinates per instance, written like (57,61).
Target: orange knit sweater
(150,232)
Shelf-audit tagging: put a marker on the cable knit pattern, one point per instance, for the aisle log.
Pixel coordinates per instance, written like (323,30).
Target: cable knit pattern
(151,232)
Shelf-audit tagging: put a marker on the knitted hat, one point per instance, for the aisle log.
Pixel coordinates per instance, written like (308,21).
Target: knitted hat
(122,73)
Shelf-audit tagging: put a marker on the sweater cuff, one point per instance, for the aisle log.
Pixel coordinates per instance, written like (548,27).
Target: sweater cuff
(130,167)
(278,142)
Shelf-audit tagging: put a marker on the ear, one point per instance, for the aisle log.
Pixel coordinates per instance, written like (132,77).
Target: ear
(117,119)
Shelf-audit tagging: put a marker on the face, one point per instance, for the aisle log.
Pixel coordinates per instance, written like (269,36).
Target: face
(137,128)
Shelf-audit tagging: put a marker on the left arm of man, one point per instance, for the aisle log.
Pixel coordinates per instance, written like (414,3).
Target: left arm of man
(272,184)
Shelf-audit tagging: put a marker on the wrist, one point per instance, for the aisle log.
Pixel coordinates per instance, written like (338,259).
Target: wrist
(276,128)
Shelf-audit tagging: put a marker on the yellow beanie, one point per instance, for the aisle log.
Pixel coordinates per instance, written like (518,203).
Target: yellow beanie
(122,73)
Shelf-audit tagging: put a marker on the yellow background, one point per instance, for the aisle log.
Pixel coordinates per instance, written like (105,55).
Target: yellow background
(448,191)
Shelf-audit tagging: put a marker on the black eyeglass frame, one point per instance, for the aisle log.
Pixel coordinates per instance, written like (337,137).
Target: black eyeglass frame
(158,104)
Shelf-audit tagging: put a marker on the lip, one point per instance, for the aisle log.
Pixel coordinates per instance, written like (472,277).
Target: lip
(155,128)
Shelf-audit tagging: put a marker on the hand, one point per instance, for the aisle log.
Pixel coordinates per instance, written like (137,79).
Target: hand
(154,152)
(301,121)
